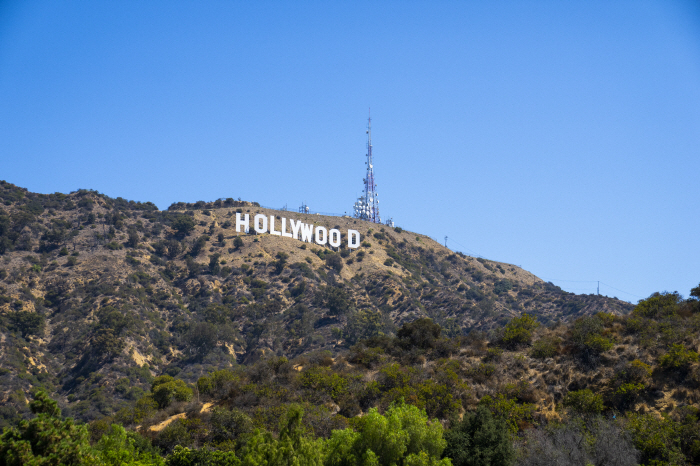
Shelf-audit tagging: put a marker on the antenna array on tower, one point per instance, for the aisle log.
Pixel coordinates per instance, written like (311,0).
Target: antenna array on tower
(367,206)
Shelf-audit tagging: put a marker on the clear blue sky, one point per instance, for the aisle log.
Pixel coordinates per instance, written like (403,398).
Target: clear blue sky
(560,136)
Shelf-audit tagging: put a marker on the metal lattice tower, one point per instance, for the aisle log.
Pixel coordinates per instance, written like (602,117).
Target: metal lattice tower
(367,206)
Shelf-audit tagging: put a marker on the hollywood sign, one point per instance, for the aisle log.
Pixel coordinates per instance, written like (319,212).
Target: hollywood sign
(298,230)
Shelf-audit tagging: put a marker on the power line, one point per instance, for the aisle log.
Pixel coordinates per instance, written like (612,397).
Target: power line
(622,291)
(572,281)
(558,279)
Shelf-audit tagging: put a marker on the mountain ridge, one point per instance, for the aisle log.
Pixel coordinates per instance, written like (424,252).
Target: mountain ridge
(93,289)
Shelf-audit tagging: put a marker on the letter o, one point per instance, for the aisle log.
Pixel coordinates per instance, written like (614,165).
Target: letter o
(260,229)
(334,238)
(321,239)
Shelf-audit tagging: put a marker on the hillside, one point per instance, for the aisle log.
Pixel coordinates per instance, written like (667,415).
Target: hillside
(98,295)
(191,335)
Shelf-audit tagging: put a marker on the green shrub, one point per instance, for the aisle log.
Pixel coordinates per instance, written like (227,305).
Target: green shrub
(519,331)
(114,246)
(366,356)
(638,371)
(334,261)
(482,371)
(183,225)
(229,425)
(658,305)
(584,401)
(218,384)
(133,238)
(363,324)
(165,390)
(479,439)
(587,337)
(421,333)
(658,438)
(26,323)
(118,447)
(322,379)
(599,344)
(678,357)
(508,409)
(545,347)
(502,286)
(183,456)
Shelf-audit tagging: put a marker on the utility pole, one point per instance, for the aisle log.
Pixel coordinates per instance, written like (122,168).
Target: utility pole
(445,241)
(598,287)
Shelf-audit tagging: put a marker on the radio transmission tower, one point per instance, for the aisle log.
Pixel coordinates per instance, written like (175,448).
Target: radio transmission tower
(367,206)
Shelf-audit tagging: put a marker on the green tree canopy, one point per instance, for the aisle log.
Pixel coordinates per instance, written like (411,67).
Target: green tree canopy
(47,439)
(403,436)
(479,440)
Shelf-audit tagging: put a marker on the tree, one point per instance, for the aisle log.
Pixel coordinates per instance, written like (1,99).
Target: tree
(363,324)
(421,333)
(334,261)
(183,224)
(294,446)
(165,390)
(47,439)
(587,337)
(237,242)
(118,448)
(228,425)
(27,323)
(281,262)
(402,436)
(183,456)
(198,246)
(519,331)
(658,305)
(480,439)
(133,239)
(657,438)
(334,298)
(214,266)
(678,357)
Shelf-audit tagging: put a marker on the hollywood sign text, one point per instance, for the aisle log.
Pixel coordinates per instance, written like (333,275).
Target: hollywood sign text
(298,230)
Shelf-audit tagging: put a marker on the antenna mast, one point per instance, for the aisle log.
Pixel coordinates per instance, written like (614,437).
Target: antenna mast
(367,206)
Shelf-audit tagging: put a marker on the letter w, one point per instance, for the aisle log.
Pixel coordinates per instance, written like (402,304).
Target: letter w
(307,232)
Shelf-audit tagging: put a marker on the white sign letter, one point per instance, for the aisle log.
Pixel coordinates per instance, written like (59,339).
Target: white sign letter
(260,229)
(334,242)
(318,235)
(296,226)
(307,231)
(242,223)
(272,226)
(284,228)
(353,239)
